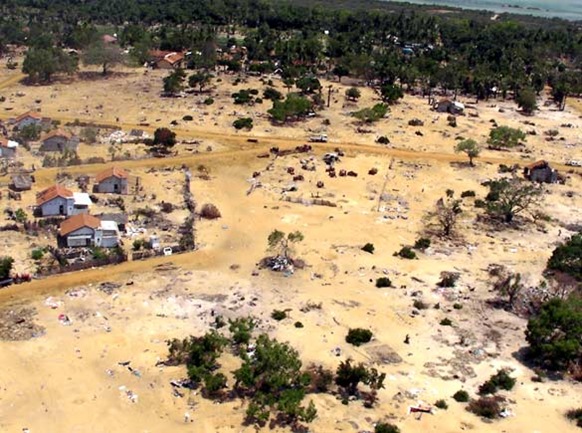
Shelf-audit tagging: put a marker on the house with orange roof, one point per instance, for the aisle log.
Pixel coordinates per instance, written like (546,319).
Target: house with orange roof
(85,230)
(112,180)
(171,60)
(58,200)
(30,118)
(59,141)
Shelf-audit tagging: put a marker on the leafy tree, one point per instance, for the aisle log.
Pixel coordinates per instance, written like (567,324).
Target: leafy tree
(293,107)
(40,64)
(29,133)
(567,257)
(243,97)
(349,376)
(353,93)
(241,329)
(526,100)
(358,336)
(164,138)
(504,137)
(103,54)
(308,84)
(6,264)
(470,148)
(243,122)
(510,197)
(174,82)
(555,333)
(446,214)
(20,216)
(340,71)
(272,94)
(282,244)
(391,93)
(373,114)
(200,79)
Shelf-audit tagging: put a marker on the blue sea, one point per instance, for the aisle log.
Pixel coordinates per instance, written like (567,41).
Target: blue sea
(566,9)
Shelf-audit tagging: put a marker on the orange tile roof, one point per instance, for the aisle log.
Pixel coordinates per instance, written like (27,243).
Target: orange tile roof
(538,164)
(111,172)
(77,222)
(57,133)
(51,193)
(174,58)
(32,114)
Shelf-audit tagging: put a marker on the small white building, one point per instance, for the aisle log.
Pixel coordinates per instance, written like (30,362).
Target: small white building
(8,148)
(85,230)
(58,200)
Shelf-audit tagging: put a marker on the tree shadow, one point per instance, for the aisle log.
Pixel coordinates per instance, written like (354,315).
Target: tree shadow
(524,357)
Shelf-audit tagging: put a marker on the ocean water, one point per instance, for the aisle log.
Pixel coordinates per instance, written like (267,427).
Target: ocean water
(566,9)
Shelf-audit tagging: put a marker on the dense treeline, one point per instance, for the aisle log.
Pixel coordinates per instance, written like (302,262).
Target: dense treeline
(386,43)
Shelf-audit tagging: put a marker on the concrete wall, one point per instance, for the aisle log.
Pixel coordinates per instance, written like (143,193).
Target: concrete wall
(108,186)
(52,207)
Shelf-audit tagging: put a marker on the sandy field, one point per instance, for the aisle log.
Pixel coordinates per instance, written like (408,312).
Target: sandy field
(68,378)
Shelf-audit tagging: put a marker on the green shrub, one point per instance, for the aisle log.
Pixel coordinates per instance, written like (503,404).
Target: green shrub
(406,253)
(446,322)
(500,380)
(457,306)
(37,254)
(422,244)
(209,101)
(480,204)
(243,122)
(278,315)
(298,325)
(448,279)
(575,415)
(567,257)
(468,193)
(383,427)
(461,396)
(187,118)
(358,336)
(441,404)
(241,329)
(369,248)
(420,305)
(383,282)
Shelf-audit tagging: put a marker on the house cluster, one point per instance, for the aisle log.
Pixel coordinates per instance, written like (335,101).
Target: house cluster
(50,141)
(80,229)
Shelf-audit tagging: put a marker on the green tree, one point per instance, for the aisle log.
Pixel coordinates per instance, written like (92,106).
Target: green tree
(281,244)
(308,84)
(104,55)
(293,107)
(243,123)
(383,427)
(510,197)
(391,93)
(40,64)
(353,93)
(6,264)
(470,148)
(199,79)
(505,137)
(567,258)
(164,139)
(555,333)
(526,100)
(340,71)
(241,329)
(371,114)
(349,376)
(174,82)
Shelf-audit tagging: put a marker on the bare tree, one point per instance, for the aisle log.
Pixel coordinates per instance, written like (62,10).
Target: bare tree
(509,285)
(446,214)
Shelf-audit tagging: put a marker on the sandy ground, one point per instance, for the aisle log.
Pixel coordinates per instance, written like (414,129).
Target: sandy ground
(67,378)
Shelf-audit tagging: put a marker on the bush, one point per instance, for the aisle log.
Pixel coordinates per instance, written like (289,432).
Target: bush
(461,396)
(406,253)
(468,193)
(358,336)
(480,204)
(575,415)
(420,305)
(422,244)
(446,322)
(272,94)
(166,207)
(298,325)
(500,380)
(243,122)
(241,329)
(382,140)
(383,427)
(369,248)
(441,404)
(187,118)
(37,254)
(320,378)
(383,282)
(210,212)
(448,279)
(457,306)
(486,407)
(209,101)
(567,258)
(278,315)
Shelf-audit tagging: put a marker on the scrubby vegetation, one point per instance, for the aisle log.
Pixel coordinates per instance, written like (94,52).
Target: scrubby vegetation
(383,282)
(358,336)
(500,380)
(461,396)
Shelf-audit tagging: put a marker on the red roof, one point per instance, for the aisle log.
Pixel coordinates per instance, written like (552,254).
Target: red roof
(51,193)
(57,133)
(78,222)
(117,172)
(538,164)
(32,114)
(173,58)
